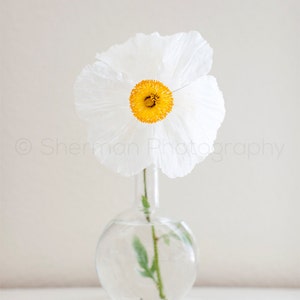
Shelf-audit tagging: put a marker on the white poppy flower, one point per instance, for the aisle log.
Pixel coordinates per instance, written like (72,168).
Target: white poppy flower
(150,101)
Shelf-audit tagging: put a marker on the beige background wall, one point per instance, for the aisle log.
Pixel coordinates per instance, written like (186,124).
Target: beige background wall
(242,202)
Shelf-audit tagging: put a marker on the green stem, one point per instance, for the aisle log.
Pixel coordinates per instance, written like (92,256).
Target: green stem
(156,259)
(159,282)
(145,183)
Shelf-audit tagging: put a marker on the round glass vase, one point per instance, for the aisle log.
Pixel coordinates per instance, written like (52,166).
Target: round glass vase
(141,256)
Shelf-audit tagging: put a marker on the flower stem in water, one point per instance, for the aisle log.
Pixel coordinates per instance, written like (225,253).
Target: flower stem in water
(146,206)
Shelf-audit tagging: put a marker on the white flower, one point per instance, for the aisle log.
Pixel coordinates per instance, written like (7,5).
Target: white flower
(150,101)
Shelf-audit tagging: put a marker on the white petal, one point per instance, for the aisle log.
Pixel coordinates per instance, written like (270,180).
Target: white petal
(203,103)
(139,58)
(176,60)
(125,150)
(187,135)
(118,139)
(100,91)
(187,57)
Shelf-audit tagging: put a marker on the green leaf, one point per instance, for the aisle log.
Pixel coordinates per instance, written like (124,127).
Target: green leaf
(182,235)
(166,239)
(142,259)
(153,266)
(146,204)
(174,235)
(187,236)
(141,253)
(146,273)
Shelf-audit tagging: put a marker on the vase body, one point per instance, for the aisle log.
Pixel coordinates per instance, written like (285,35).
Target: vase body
(143,256)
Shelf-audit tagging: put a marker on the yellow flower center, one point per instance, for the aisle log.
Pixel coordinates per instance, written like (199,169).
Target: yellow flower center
(150,101)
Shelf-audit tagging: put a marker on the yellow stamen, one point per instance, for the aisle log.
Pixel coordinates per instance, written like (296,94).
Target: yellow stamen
(150,101)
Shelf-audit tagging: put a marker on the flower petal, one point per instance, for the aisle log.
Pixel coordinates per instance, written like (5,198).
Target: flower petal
(125,150)
(100,92)
(118,139)
(187,135)
(176,60)
(139,58)
(187,57)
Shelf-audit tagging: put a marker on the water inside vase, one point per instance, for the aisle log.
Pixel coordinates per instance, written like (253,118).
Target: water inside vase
(124,276)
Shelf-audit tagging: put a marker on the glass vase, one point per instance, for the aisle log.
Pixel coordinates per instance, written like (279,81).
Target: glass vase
(141,256)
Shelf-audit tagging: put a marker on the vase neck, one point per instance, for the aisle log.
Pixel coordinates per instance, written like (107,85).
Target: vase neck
(146,190)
